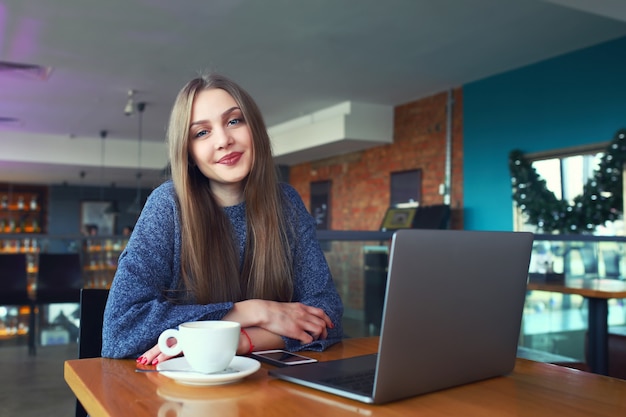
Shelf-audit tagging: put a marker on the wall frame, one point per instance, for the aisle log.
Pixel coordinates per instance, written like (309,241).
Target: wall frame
(94,220)
(398,218)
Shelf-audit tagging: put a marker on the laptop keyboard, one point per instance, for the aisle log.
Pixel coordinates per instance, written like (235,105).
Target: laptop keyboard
(362,382)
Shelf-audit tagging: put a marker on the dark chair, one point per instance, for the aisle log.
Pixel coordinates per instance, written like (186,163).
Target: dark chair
(616,343)
(92,303)
(14,289)
(59,279)
(13,280)
(589,256)
(432,217)
(611,263)
(617,352)
(375,265)
(376,261)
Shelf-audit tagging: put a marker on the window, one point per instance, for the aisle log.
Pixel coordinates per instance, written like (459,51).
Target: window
(320,204)
(406,187)
(565,175)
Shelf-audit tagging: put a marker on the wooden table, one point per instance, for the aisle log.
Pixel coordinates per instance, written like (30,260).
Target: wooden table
(110,387)
(597,292)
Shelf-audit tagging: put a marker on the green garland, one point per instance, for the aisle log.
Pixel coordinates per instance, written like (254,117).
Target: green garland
(600,201)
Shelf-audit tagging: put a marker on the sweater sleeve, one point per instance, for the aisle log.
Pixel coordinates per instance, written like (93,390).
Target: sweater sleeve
(137,310)
(313,282)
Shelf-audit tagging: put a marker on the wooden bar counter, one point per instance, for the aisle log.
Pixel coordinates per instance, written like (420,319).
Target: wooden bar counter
(112,388)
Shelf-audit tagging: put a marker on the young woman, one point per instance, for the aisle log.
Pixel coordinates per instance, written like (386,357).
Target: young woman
(222,240)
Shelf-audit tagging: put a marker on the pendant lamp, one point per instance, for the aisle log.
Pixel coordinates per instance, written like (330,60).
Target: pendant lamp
(136,206)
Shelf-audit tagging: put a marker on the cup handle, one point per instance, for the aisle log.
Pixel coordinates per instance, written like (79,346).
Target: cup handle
(169,350)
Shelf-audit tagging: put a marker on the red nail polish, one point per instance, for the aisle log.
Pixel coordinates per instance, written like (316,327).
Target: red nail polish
(154,362)
(140,359)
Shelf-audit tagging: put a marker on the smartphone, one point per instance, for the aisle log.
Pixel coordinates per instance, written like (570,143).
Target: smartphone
(281,358)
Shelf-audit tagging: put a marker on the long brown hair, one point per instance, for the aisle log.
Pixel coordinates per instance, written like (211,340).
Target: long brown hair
(209,253)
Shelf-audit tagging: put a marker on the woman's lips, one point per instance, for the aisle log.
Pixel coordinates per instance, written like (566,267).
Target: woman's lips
(230,159)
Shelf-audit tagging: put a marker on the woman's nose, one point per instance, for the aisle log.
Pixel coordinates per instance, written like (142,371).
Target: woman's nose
(223,139)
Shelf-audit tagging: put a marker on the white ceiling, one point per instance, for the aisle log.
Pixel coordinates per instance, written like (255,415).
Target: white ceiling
(294,56)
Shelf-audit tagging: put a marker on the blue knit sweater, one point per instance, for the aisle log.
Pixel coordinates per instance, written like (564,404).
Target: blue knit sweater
(137,311)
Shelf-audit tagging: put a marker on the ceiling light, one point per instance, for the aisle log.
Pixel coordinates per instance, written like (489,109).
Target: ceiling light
(103,135)
(136,206)
(26,71)
(129,109)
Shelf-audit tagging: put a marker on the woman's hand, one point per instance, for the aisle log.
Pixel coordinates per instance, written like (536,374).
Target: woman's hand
(293,320)
(154,356)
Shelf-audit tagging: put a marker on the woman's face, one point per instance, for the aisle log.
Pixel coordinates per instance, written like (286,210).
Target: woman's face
(220,141)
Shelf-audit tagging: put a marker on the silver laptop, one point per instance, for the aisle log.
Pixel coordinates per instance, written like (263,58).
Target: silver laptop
(452,316)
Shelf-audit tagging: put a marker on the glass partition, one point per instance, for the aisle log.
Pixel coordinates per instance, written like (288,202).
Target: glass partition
(552,322)
(358,263)
(55,323)
(555,322)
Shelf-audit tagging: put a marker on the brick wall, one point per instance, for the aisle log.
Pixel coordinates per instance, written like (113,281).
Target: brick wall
(360,180)
(361,184)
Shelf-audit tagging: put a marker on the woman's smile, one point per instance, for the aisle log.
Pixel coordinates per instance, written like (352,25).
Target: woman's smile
(230,159)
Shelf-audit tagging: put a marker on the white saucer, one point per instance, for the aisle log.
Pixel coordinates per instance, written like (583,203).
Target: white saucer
(239,368)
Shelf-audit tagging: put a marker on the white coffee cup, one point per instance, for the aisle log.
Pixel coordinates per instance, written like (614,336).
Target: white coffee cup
(209,346)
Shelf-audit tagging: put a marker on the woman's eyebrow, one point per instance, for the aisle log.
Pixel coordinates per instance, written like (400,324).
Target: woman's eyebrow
(232,109)
(225,113)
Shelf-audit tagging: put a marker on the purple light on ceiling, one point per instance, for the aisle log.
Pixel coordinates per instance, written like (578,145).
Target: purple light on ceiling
(3,25)
(24,44)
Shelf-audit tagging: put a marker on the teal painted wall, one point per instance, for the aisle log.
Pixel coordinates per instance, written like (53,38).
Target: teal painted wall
(574,99)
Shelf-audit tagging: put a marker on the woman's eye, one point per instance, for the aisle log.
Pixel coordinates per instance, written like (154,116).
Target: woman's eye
(201,133)
(233,122)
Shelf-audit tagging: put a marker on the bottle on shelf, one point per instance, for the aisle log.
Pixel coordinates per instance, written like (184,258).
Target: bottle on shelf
(20,203)
(33,203)
(4,202)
